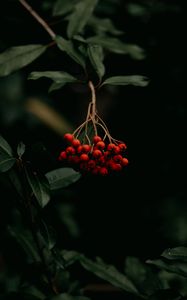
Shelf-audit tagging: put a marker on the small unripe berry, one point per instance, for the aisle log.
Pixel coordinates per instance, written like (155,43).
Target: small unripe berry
(84,157)
(75,143)
(68,137)
(97,139)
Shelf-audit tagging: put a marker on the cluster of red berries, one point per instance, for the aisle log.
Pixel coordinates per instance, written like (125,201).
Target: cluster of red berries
(97,158)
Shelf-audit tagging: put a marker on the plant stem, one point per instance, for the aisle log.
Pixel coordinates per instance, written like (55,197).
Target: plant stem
(38,18)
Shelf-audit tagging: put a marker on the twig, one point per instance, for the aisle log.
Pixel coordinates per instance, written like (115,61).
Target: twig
(38,18)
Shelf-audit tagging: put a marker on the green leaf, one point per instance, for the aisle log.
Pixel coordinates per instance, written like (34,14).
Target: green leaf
(5,147)
(177,267)
(56,76)
(25,240)
(141,275)
(101,26)
(109,273)
(116,46)
(20,149)
(18,57)
(6,159)
(61,178)
(66,296)
(67,46)
(39,186)
(55,86)
(15,180)
(178,253)
(136,80)
(6,163)
(80,16)
(70,257)
(95,54)
(62,7)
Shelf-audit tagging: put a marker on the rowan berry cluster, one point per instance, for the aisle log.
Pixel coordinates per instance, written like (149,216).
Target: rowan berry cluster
(97,158)
(91,152)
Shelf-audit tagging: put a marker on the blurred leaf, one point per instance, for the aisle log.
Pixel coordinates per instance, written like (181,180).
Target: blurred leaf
(174,267)
(49,235)
(56,76)
(55,86)
(6,159)
(25,240)
(141,275)
(109,273)
(61,178)
(101,26)
(95,54)
(5,147)
(18,57)
(136,80)
(16,181)
(67,46)
(6,163)
(39,186)
(80,16)
(33,291)
(62,7)
(116,46)
(20,149)
(65,296)
(70,257)
(179,253)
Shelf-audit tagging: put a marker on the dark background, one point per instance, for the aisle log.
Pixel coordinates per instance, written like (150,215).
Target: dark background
(142,210)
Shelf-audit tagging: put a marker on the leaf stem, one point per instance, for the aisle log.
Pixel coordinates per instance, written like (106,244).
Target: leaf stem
(38,18)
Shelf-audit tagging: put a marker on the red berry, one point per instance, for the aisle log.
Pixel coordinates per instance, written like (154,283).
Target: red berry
(122,146)
(102,160)
(117,158)
(124,162)
(111,147)
(63,155)
(75,143)
(86,148)
(68,137)
(97,153)
(116,167)
(84,157)
(103,171)
(75,159)
(70,150)
(97,139)
(91,164)
(117,150)
(100,145)
(79,149)
(96,170)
